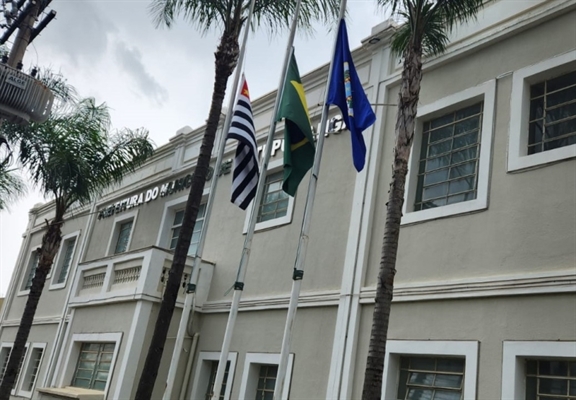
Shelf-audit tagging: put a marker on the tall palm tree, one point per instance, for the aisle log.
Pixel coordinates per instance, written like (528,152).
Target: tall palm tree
(425,29)
(11,185)
(71,157)
(229,16)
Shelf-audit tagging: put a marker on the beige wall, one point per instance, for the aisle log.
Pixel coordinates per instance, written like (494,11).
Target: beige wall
(261,332)
(529,224)
(490,321)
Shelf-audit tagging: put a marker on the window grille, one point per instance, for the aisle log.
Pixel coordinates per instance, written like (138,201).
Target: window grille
(33,265)
(266,382)
(33,368)
(552,120)
(448,167)
(67,260)
(178,218)
(93,366)
(431,378)
(123,237)
(275,201)
(550,379)
(213,371)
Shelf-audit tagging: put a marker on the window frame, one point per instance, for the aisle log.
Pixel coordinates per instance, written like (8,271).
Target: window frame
(17,381)
(26,368)
(59,261)
(74,350)
(202,374)
(22,290)
(437,348)
(167,221)
(522,79)
(514,353)
(251,373)
(485,92)
(118,221)
(273,167)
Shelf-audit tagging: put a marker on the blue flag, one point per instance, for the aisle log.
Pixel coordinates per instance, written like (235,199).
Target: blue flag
(346,92)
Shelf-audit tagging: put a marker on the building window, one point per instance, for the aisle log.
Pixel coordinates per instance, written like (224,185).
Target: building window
(432,370)
(203,384)
(543,113)
(64,261)
(93,365)
(210,388)
(4,357)
(32,369)
(32,266)
(266,382)
(449,155)
(123,237)
(550,379)
(552,118)
(539,370)
(274,201)
(431,378)
(449,165)
(259,376)
(177,224)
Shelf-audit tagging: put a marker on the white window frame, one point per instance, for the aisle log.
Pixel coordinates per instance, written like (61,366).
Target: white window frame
(10,345)
(522,79)
(133,215)
(57,266)
(251,372)
(439,348)
(170,209)
(26,371)
(74,352)
(514,368)
(273,167)
(21,290)
(485,92)
(202,374)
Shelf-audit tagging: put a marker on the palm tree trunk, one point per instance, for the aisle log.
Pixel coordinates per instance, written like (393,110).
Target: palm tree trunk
(226,59)
(50,245)
(407,109)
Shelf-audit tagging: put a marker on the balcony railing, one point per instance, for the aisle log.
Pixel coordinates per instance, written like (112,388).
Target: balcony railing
(134,275)
(23,98)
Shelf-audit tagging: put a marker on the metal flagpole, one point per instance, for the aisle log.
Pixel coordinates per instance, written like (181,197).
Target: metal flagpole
(191,289)
(241,274)
(298,273)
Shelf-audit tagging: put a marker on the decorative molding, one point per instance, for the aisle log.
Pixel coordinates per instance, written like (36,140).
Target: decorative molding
(507,285)
(37,321)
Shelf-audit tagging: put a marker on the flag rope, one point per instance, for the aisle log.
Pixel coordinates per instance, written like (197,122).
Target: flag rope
(190,298)
(299,264)
(241,273)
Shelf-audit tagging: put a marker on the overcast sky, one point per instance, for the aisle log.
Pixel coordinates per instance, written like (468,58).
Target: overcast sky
(156,78)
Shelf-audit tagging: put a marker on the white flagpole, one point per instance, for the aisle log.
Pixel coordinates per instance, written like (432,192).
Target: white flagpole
(241,274)
(299,264)
(191,289)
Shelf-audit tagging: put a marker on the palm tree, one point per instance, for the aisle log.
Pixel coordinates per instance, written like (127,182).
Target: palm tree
(425,30)
(11,185)
(72,157)
(229,16)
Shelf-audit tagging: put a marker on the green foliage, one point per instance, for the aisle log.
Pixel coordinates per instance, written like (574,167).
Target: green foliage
(73,156)
(427,23)
(11,185)
(229,15)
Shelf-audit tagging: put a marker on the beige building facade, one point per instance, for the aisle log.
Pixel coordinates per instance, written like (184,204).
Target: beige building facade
(485,293)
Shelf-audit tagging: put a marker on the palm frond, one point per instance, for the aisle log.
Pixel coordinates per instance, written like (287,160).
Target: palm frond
(72,157)
(204,14)
(428,22)
(11,187)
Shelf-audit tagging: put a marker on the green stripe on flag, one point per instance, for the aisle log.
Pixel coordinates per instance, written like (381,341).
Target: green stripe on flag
(298,140)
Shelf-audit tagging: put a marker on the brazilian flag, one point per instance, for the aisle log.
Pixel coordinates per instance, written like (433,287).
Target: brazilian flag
(298,140)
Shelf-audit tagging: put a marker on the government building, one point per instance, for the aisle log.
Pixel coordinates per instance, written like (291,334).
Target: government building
(485,292)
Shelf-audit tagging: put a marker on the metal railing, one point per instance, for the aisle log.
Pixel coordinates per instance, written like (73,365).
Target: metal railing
(23,98)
